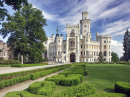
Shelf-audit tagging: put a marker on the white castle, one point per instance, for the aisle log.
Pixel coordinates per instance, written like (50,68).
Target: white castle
(78,46)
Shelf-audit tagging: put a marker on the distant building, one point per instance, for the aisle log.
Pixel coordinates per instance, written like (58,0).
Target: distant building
(78,46)
(6,53)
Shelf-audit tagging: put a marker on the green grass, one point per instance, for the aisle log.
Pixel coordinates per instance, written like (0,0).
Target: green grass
(5,65)
(28,65)
(58,89)
(104,76)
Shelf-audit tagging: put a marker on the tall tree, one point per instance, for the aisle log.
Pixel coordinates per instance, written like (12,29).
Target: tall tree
(100,58)
(114,56)
(27,33)
(126,45)
(16,4)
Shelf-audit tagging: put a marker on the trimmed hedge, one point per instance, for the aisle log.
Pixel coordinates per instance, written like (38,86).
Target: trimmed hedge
(107,95)
(9,82)
(122,87)
(42,88)
(9,62)
(78,91)
(70,80)
(22,94)
(28,65)
(78,69)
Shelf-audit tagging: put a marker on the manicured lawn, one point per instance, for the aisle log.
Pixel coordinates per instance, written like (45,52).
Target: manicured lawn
(104,76)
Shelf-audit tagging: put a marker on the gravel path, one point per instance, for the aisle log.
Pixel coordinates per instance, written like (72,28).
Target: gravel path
(22,86)
(4,70)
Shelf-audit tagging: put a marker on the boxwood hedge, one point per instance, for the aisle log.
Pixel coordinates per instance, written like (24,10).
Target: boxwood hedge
(107,95)
(12,81)
(70,80)
(122,87)
(22,94)
(42,88)
(78,91)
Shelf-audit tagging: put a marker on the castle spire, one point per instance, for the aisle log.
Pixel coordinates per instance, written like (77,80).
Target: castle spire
(57,30)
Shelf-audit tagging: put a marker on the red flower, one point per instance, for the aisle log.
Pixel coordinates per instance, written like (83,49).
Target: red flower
(8,77)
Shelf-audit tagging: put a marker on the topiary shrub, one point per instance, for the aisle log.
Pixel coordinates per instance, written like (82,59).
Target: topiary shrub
(107,95)
(122,87)
(81,90)
(22,94)
(42,88)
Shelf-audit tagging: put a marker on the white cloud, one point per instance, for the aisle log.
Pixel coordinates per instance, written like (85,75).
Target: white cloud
(116,28)
(117,47)
(46,15)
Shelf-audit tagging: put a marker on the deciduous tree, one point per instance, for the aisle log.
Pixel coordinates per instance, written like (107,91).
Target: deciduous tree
(27,33)
(114,56)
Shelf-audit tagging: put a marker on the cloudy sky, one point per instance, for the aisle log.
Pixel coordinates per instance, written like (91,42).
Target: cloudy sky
(108,17)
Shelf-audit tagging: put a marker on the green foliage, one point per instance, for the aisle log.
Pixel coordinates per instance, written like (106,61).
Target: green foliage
(42,88)
(44,60)
(22,94)
(1,50)
(9,79)
(78,91)
(27,33)
(126,44)
(122,87)
(107,95)
(8,62)
(28,65)
(114,56)
(78,69)
(16,4)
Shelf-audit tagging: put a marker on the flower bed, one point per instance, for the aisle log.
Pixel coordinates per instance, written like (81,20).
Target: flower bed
(32,75)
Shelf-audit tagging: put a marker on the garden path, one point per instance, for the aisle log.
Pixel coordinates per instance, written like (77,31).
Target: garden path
(22,86)
(4,70)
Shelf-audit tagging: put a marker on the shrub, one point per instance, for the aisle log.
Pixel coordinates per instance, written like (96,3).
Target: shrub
(78,69)
(122,87)
(107,95)
(22,94)
(56,78)
(78,91)
(42,88)
(44,60)
(70,80)
(28,65)
(10,61)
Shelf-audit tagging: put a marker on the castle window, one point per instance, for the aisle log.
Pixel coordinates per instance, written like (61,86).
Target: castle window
(84,30)
(84,52)
(109,42)
(92,53)
(105,53)
(84,25)
(81,52)
(72,34)
(86,39)
(105,41)
(104,59)
(109,47)
(109,54)
(104,46)
(81,46)
(58,40)
(84,17)
(64,46)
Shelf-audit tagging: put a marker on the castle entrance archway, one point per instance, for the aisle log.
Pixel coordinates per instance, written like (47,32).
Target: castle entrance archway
(72,57)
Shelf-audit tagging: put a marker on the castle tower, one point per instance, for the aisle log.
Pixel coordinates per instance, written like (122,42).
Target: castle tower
(85,23)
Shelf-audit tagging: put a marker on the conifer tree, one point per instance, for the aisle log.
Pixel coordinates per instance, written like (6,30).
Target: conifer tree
(126,45)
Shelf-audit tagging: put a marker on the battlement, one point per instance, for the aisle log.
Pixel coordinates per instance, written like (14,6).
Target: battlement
(72,26)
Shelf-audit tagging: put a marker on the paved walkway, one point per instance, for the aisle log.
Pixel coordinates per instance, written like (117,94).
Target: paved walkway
(24,85)
(4,70)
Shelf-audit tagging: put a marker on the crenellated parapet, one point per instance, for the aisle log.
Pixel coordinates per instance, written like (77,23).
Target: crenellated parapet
(72,26)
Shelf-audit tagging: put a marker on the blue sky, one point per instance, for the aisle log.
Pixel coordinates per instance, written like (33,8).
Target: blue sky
(108,17)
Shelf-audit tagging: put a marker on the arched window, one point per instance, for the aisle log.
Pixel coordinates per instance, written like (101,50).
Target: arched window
(105,53)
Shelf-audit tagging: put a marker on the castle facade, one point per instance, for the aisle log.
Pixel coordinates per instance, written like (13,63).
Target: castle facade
(78,46)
